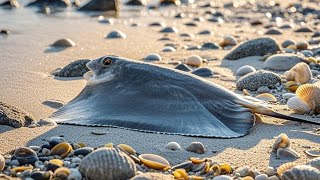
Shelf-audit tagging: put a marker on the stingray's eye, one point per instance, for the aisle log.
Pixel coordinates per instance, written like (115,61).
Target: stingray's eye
(106,61)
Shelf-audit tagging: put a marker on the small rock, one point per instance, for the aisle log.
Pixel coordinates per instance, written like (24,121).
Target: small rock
(302,45)
(183,67)
(282,62)
(168,49)
(169,30)
(174,146)
(196,147)
(287,43)
(273,31)
(228,40)
(304,30)
(207,46)
(261,177)
(5,32)
(105,21)
(274,177)
(222,177)
(170,2)
(194,60)
(307,53)
(153,57)
(75,69)
(74,174)
(65,42)
(270,171)
(288,95)
(203,72)
(160,24)
(98,5)
(206,32)
(245,70)
(83,151)
(14,117)
(14,163)
(137,3)
(263,89)
(116,34)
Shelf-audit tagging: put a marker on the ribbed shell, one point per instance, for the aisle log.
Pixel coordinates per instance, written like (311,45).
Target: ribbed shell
(107,164)
(315,163)
(300,73)
(302,172)
(310,94)
(282,141)
(298,106)
(284,167)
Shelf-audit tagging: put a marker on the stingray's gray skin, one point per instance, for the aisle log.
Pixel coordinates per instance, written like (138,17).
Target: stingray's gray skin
(150,98)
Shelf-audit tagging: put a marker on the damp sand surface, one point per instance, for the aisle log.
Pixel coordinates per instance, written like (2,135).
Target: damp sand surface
(26,60)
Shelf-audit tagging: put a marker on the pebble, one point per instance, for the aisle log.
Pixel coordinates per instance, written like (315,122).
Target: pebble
(263,89)
(254,80)
(5,32)
(74,174)
(103,20)
(14,163)
(222,177)
(194,60)
(274,177)
(255,47)
(228,40)
(169,30)
(206,32)
(245,70)
(174,146)
(98,5)
(287,43)
(160,24)
(207,46)
(65,42)
(304,30)
(302,45)
(136,3)
(2,162)
(261,177)
(76,160)
(282,62)
(288,95)
(307,53)
(183,67)
(273,31)
(270,171)
(153,57)
(168,49)
(83,151)
(196,147)
(203,72)
(116,35)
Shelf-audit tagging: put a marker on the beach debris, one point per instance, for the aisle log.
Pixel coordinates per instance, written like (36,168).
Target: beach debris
(282,62)
(74,69)
(101,5)
(154,161)
(174,146)
(117,34)
(246,69)
(252,81)
(14,117)
(203,72)
(65,42)
(196,147)
(194,60)
(169,30)
(183,67)
(107,163)
(299,73)
(254,47)
(301,172)
(153,57)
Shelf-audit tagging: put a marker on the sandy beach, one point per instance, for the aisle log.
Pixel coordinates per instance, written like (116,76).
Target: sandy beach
(26,61)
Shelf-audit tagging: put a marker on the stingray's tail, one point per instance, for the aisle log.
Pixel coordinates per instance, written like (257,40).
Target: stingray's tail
(261,109)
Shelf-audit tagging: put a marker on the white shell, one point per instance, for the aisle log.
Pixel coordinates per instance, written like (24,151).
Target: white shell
(282,141)
(315,163)
(173,146)
(298,105)
(194,60)
(301,172)
(287,153)
(300,73)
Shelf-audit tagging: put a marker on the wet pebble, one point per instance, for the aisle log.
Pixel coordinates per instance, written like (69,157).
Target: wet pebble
(153,57)
(169,30)
(205,32)
(302,45)
(261,177)
(203,72)
(168,49)
(207,46)
(303,30)
(183,67)
(83,151)
(116,35)
(174,146)
(65,42)
(196,147)
(287,43)
(273,31)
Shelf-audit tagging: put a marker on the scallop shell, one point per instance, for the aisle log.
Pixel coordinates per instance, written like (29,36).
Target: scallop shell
(282,141)
(314,163)
(301,172)
(61,149)
(299,73)
(310,94)
(107,163)
(313,152)
(284,167)
(25,155)
(2,162)
(127,149)
(154,161)
(180,174)
(62,173)
(267,97)
(285,153)
(298,106)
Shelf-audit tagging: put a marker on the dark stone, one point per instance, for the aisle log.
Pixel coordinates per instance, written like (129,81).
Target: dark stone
(136,3)
(52,167)
(203,72)
(207,46)
(41,175)
(10,4)
(101,5)
(74,69)
(183,67)
(56,140)
(47,146)
(83,151)
(170,2)
(50,3)
(14,117)
(5,31)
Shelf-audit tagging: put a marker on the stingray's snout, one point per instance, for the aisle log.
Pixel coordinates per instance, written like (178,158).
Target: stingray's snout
(91,65)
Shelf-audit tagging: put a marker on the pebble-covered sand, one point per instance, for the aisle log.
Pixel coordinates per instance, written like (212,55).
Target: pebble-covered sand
(267,50)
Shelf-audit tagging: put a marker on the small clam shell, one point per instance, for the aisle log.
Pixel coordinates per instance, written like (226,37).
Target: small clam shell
(298,106)
(62,173)
(196,147)
(292,85)
(299,73)
(198,167)
(174,146)
(185,165)
(2,162)
(215,169)
(21,168)
(267,97)
(180,174)
(154,161)
(282,141)
(314,163)
(107,163)
(301,172)
(310,94)
(197,160)
(61,149)
(127,149)
(284,167)
(25,155)
(313,152)
(225,168)
(56,162)
(285,153)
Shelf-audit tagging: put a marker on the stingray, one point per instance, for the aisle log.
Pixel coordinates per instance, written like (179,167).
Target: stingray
(145,97)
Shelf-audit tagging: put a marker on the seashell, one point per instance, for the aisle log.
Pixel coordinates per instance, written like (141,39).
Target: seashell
(109,145)
(154,161)
(292,46)
(298,106)
(153,57)
(287,153)
(196,178)
(194,60)
(180,174)
(183,67)
(173,146)
(284,167)
(282,141)
(311,60)
(116,34)
(215,170)
(74,174)
(196,147)
(301,172)
(62,173)
(56,162)
(127,149)
(25,155)
(83,151)
(222,177)
(65,42)
(203,72)
(21,169)
(225,168)
(313,152)
(299,73)
(197,160)
(185,165)
(62,149)
(135,159)
(2,162)
(246,92)
(267,97)
(228,40)
(243,171)
(245,70)
(310,94)
(199,167)
(107,163)
(292,85)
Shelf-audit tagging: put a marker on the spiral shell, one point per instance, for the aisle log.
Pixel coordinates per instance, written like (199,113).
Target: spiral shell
(298,106)
(301,172)
(107,163)
(315,163)
(284,167)
(310,94)
(282,141)
(300,73)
